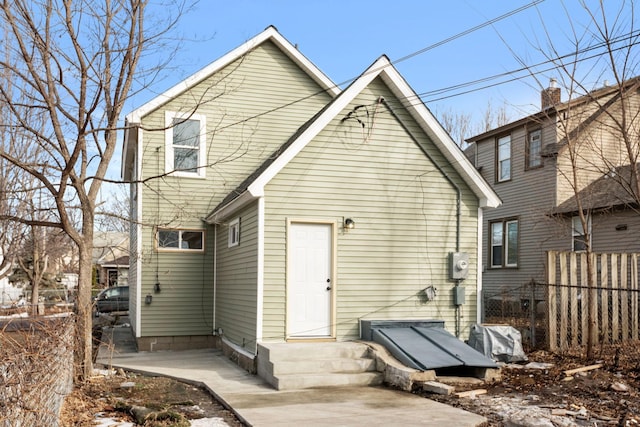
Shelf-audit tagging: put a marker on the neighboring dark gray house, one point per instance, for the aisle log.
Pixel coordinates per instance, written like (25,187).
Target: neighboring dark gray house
(527,162)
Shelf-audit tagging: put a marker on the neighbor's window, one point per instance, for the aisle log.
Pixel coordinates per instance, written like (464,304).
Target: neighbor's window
(185,144)
(504,158)
(534,149)
(504,243)
(181,240)
(234,232)
(578,234)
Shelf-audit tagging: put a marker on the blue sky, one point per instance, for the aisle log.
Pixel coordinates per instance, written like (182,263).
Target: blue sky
(344,37)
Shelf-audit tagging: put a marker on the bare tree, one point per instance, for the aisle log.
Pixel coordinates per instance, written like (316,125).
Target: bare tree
(599,129)
(113,212)
(75,61)
(462,125)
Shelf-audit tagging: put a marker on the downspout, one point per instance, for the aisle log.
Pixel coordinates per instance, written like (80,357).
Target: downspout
(451,182)
(215,275)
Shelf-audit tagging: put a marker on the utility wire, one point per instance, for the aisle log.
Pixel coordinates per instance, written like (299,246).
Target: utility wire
(404,58)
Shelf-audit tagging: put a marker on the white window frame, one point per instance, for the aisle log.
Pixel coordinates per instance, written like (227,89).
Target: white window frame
(535,136)
(504,243)
(577,232)
(170,116)
(181,247)
(234,233)
(501,161)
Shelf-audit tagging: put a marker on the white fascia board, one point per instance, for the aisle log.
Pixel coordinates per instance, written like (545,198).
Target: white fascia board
(270,33)
(257,187)
(442,139)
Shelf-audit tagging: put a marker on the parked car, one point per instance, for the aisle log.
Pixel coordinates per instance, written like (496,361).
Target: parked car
(112,299)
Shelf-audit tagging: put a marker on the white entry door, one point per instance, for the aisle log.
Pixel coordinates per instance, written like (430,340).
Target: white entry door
(310,284)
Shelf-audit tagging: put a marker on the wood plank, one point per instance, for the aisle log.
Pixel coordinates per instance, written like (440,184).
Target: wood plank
(552,308)
(624,298)
(575,330)
(471,393)
(615,295)
(584,300)
(634,296)
(604,284)
(564,301)
(593,300)
(582,369)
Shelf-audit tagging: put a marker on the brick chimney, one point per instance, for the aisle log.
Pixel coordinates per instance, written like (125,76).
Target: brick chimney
(551,96)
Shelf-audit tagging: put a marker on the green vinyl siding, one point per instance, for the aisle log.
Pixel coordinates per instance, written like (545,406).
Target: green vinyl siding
(243,128)
(237,279)
(405,214)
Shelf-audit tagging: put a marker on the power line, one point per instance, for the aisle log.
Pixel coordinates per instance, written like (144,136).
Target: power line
(404,58)
(607,45)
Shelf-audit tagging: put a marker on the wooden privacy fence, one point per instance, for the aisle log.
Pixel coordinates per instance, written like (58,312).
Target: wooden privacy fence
(612,291)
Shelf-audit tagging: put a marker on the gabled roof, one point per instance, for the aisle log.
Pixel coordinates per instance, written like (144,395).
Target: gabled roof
(269,34)
(612,190)
(627,85)
(253,186)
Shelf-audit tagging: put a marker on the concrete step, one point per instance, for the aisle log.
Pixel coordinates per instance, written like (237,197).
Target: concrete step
(306,351)
(290,366)
(303,381)
(319,366)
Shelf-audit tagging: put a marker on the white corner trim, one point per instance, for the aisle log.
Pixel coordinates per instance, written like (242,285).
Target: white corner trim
(260,273)
(138,184)
(480,262)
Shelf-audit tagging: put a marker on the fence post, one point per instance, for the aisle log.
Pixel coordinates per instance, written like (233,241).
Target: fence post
(533,308)
(552,319)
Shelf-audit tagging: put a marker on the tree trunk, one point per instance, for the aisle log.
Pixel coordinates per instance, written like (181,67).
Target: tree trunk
(84,347)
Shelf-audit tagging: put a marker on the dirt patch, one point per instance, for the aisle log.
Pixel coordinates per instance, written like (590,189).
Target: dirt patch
(119,396)
(607,395)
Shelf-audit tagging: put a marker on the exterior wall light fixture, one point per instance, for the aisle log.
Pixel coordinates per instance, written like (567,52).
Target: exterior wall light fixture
(148,299)
(349,224)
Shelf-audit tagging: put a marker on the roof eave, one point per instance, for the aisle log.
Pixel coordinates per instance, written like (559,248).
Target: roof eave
(221,214)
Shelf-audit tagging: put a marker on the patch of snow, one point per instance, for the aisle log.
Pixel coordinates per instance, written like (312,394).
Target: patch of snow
(110,422)
(14,316)
(209,422)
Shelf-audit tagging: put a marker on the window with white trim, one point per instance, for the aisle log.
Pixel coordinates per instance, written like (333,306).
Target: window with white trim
(534,149)
(503,242)
(180,240)
(185,143)
(578,234)
(503,166)
(234,232)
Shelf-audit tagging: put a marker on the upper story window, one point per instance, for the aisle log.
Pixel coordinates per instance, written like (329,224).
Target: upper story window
(180,240)
(579,234)
(534,149)
(234,232)
(185,141)
(503,243)
(504,158)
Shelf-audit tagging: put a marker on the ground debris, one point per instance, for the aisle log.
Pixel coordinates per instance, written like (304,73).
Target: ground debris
(539,392)
(144,400)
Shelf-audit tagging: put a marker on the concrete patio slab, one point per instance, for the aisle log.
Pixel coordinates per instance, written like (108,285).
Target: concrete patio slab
(258,404)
